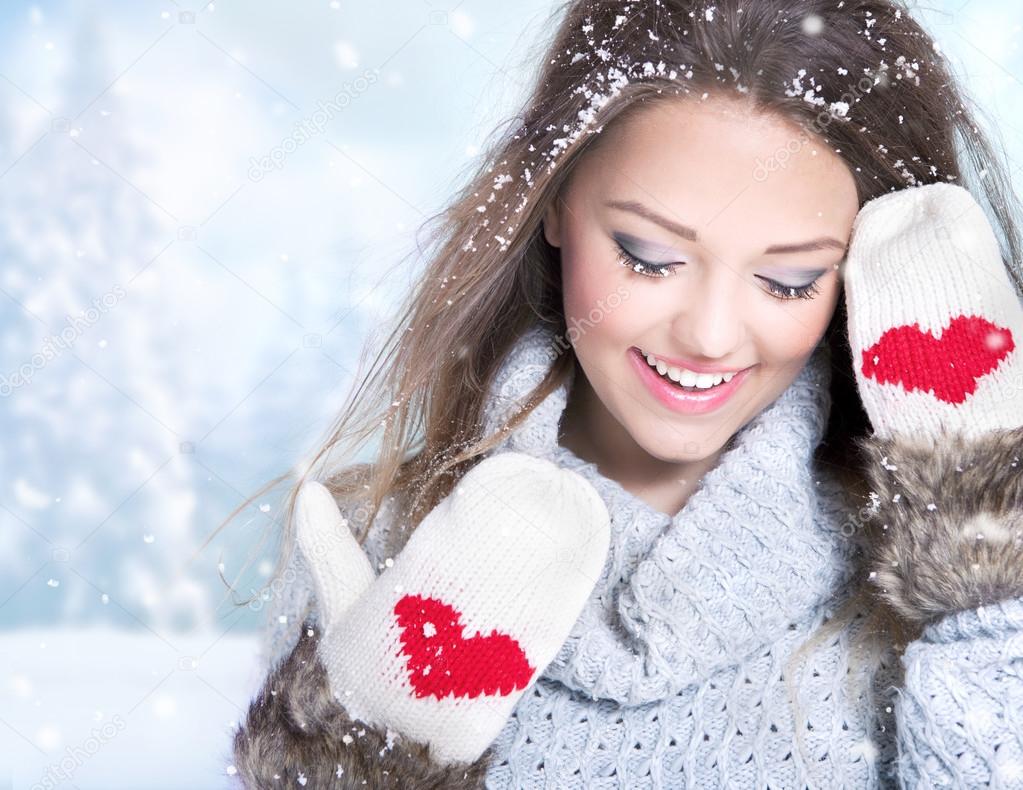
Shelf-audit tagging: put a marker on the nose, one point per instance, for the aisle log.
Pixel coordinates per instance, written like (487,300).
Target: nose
(709,324)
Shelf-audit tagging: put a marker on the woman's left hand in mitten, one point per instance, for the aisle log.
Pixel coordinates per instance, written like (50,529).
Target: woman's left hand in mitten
(935,327)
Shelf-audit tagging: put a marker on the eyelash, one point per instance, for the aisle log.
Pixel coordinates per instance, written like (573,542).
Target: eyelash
(779,291)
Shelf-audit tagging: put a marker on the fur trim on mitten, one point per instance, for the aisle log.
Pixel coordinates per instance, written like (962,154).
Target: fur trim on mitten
(295,728)
(946,533)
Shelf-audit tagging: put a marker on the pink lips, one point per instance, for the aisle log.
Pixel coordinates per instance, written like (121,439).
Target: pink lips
(679,400)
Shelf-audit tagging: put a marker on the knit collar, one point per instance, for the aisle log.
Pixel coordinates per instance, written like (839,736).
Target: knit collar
(752,556)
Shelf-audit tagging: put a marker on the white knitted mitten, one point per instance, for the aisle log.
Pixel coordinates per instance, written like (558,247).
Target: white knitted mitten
(441,645)
(933,316)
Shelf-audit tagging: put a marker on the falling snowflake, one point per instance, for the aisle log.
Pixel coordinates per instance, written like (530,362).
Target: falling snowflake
(812,24)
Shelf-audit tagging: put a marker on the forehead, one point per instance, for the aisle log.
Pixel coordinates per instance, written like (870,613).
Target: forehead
(717,162)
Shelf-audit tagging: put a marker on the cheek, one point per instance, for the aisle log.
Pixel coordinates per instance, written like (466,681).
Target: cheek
(585,279)
(596,299)
(785,335)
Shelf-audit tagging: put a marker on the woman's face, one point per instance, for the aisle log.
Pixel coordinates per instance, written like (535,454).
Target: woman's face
(748,212)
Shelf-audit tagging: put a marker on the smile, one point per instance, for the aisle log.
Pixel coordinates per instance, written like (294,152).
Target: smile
(685,391)
(689,379)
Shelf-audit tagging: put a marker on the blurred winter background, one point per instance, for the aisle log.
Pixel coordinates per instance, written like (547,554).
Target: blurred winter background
(202,208)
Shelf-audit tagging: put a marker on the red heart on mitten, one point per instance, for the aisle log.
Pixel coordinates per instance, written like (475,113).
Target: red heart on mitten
(442,662)
(969,348)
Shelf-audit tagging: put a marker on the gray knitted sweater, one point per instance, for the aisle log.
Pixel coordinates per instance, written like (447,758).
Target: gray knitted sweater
(673,675)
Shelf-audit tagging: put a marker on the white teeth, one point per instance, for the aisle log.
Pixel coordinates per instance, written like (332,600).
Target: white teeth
(687,378)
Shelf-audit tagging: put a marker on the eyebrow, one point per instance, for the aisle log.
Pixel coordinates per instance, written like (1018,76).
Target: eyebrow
(822,243)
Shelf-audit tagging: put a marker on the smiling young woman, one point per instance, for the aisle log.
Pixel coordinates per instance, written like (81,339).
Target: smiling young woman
(643,287)
(724,274)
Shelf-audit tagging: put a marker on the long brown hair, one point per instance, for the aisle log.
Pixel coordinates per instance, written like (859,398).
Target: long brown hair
(860,76)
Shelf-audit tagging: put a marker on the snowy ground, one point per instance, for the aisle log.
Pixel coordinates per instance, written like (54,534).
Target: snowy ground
(105,708)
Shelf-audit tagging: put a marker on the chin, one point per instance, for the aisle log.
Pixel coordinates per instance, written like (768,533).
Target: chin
(680,451)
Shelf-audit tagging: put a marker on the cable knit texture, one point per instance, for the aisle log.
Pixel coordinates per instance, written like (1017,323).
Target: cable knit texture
(673,673)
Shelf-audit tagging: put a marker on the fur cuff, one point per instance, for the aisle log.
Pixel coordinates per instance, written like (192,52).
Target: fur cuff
(295,729)
(945,531)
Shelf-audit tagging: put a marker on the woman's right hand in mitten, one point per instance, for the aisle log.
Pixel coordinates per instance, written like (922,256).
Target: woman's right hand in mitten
(440,646)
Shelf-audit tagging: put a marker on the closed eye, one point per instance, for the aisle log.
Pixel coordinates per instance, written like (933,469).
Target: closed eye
(782,291)
(643,267)
(777,289)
